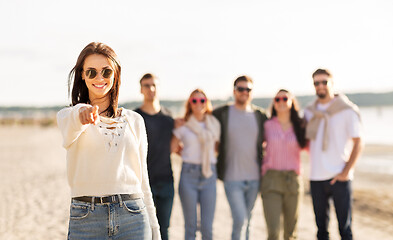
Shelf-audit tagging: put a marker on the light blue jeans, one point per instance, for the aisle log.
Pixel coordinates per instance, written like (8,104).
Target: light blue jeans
(124,220)
(194,189)
(241,197)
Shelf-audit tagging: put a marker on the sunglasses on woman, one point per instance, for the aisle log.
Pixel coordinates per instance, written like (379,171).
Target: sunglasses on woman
(195,100)
(91,73)
(284,99)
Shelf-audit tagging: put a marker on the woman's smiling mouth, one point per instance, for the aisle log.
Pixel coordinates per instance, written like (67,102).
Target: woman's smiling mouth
(100,86)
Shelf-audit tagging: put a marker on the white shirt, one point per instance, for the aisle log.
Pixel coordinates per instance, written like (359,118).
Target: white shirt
(191,152)
(108,158)
(342,127)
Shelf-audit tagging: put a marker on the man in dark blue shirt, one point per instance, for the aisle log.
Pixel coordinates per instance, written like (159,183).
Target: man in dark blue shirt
(159,126)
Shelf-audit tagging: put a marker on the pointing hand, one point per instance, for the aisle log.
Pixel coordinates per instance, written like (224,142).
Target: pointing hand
(88,115)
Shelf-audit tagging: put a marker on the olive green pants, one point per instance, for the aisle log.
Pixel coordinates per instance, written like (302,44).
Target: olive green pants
(281,194)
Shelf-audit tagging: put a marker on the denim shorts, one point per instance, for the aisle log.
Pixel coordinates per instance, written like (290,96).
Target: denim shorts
(124,220)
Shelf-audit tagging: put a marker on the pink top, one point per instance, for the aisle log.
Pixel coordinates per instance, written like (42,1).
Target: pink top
(282,148)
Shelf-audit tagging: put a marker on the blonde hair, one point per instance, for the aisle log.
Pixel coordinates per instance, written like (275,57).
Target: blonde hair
(209,107)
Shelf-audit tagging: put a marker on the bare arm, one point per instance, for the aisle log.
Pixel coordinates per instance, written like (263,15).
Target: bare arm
(176,145)
(355,154)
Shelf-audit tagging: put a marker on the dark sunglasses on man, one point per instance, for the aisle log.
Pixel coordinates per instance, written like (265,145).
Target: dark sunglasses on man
(242,89)
(323,82)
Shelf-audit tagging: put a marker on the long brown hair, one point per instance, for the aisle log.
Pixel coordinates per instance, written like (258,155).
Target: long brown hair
(299,124)
(79,91)
(209,107)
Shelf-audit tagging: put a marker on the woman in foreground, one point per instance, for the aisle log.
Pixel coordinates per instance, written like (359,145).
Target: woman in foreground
(106,154)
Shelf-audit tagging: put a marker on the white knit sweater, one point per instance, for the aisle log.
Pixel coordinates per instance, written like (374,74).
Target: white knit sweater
(108,158)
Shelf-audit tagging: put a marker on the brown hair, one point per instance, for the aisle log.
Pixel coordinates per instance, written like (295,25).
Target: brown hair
(299,124)
(147,76)
(79,92)
(243,78)
(209,107)
(322,71)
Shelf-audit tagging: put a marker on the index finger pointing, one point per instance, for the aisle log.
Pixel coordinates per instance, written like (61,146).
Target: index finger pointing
(95,109)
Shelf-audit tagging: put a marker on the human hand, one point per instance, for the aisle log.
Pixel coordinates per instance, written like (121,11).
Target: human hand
(88,115)
(341,177)
(179,149)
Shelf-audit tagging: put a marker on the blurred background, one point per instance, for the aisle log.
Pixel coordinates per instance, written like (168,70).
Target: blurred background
(204,44)
(189,44)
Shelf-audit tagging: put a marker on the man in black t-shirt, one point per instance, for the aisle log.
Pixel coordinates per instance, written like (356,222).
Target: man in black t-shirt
(159,126)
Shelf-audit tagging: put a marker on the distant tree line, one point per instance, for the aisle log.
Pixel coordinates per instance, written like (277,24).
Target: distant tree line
(361,99)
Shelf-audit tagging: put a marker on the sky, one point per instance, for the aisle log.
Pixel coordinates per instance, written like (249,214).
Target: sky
(196,44)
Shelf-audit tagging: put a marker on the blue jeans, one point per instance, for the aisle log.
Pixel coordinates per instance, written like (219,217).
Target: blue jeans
(163,193)
(241,197)
(194,189)
(341,192)
(124,220)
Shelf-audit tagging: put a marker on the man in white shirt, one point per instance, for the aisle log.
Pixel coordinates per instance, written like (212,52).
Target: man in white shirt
(334,130)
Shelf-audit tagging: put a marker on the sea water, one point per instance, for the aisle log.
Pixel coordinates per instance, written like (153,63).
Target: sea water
(378,124)
(378,129)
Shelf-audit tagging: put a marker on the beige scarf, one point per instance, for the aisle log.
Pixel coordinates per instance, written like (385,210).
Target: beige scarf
(340,103)
(207,137)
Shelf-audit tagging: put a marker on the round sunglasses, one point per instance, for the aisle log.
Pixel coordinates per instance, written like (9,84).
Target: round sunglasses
(195,100)
(92,73)
(277,99)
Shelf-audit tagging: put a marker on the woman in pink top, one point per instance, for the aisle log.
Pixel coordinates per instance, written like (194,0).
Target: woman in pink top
(281,182)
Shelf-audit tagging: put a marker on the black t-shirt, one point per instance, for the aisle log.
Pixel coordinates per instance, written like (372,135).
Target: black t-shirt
(159,133)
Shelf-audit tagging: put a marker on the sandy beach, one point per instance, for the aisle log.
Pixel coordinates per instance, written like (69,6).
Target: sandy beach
(36,196)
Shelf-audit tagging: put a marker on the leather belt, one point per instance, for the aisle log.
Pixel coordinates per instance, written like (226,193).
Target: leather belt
(109,199)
